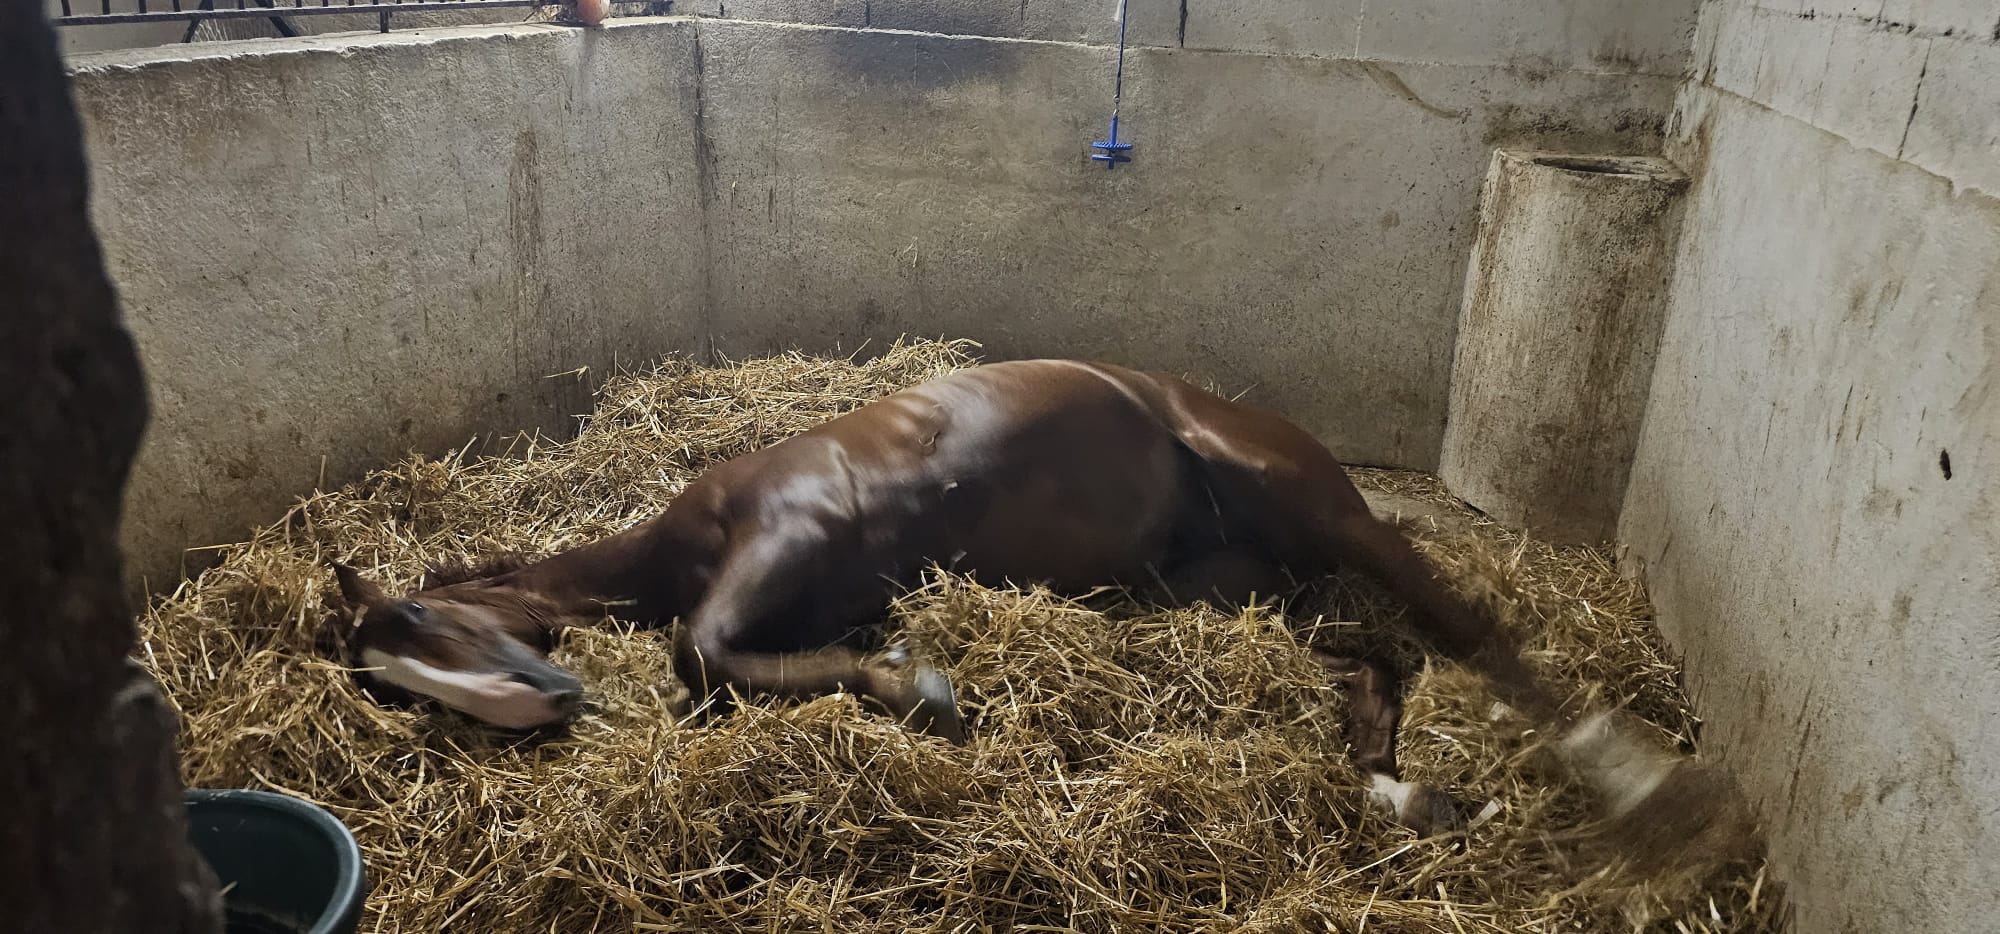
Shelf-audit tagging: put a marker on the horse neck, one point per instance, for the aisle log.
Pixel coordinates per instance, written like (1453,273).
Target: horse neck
(644,575)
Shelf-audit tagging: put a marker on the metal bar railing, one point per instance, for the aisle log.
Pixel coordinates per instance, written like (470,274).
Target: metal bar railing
(277,9)
(240,11)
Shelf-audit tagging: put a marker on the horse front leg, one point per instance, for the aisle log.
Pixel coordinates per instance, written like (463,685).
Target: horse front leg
(760,597)
(914,693)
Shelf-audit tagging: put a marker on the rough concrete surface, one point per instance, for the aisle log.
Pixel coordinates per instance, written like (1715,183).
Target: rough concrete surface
(1561,314)
(853,13)
(1814,499)
(1903,88)
(1955,131)
(1148,22)
(360,247)
(1322,27)
(1537,37)
(1643,36)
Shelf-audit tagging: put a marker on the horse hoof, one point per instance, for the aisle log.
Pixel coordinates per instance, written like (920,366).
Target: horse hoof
(937,705)
(1415,805)
(1612,759)
(1693,810)
(1436,813)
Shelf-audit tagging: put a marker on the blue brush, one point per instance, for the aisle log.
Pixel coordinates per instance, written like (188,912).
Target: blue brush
(1113,151)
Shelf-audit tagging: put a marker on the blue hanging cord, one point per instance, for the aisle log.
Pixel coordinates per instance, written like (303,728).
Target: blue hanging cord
(1114,151)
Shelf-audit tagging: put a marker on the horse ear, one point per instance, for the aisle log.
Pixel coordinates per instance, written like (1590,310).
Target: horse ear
(433,578)
(358,592)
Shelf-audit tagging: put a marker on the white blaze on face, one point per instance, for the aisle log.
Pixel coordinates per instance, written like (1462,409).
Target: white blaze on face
(1620,766)
(495,698)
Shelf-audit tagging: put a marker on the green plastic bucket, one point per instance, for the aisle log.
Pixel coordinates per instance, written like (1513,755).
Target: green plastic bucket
(285,864)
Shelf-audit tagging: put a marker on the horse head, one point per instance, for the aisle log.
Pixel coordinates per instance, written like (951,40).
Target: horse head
(476,646)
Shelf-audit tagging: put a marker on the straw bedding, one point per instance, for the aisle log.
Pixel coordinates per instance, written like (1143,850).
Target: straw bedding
(1133,769)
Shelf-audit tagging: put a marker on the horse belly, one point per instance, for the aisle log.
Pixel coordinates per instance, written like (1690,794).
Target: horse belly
(1074,521)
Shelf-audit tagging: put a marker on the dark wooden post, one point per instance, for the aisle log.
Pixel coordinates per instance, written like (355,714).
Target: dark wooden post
(93,837)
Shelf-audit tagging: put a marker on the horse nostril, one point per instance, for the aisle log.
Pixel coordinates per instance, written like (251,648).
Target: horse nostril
(566,700)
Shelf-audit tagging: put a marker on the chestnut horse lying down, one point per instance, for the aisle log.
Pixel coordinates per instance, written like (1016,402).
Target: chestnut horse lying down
(1068,473)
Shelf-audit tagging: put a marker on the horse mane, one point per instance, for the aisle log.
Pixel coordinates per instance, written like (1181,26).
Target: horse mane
(450,571)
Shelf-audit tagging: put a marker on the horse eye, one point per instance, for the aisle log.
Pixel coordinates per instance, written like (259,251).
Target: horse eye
(415,610)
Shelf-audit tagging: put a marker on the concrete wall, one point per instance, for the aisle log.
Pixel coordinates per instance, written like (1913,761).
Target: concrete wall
(346,246)
(333,251)
(1815,495)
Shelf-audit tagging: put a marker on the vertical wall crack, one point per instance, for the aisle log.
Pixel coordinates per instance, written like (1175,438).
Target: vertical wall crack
(1916,98)
(1180,37)
(704,174)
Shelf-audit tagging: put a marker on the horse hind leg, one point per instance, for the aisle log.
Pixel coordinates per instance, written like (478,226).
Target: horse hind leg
(1272,480)
(1273,477)
(1374,716)
(1302,505)
(1227,578)
(1658,798)
(1447,621)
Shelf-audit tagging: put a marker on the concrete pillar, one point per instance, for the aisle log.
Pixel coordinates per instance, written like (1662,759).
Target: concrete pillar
(1562,311)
